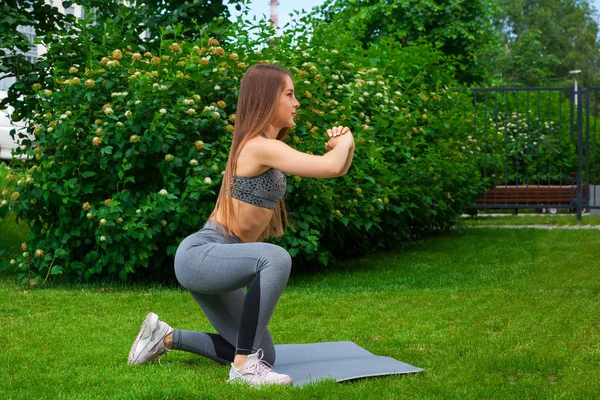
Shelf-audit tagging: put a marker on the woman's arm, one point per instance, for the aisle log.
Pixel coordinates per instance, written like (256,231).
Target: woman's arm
(277,154)
(335,132)
(348,161)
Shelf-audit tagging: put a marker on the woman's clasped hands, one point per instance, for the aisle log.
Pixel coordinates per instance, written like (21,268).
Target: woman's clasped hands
(337,135)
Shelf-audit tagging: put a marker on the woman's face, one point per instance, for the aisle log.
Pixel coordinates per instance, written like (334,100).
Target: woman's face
(286,110)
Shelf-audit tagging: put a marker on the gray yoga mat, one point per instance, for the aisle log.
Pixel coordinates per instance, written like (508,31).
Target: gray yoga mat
(309,363)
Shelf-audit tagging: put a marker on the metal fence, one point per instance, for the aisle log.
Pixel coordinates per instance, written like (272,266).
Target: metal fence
(538,148)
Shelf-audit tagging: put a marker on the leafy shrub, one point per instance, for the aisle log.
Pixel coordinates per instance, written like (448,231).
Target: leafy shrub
(526,140)
(130,149)
(534,150)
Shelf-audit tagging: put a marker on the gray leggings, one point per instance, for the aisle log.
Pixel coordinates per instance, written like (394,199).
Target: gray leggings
(215,268)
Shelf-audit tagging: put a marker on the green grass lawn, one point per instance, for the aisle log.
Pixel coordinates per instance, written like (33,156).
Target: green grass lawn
(504,314)
(541,219)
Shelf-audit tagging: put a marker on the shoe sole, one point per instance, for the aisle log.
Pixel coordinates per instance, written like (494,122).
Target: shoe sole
(243,381)
(143,338)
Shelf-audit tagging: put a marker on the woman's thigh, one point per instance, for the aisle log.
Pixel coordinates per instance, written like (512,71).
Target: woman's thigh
(223,267)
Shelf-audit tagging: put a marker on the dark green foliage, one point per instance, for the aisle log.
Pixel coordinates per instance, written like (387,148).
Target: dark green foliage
(462,30)
(130,146)
(547,35)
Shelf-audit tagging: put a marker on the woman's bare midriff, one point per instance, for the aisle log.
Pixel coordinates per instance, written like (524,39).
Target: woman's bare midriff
(253,220)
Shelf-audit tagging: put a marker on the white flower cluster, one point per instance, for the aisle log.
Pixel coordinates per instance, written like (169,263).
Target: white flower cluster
(66,115)
(210,109)
(119,94)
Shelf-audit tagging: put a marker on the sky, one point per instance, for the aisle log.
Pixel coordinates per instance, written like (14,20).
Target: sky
(262,8)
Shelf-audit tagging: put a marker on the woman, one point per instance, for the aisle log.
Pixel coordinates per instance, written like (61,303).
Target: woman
(226,255)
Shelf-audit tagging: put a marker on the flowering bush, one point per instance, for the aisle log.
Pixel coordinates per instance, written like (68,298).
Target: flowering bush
(533,149)
(130,150)
(526,146)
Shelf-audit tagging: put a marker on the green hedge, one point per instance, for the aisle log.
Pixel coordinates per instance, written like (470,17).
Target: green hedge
(130,149)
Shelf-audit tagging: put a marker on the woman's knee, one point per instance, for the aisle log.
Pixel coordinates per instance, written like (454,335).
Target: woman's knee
(278,259)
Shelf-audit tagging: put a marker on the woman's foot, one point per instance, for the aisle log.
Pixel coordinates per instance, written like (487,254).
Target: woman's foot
(149,343)
(258,372)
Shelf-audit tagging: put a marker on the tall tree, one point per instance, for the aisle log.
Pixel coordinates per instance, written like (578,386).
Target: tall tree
(524,61)
(565,30)
(461,29)
(149,16)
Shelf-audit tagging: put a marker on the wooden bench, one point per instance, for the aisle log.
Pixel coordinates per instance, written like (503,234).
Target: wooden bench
(536,196)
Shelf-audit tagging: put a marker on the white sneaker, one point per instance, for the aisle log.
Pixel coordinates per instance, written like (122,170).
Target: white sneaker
(149,344)
(258,372)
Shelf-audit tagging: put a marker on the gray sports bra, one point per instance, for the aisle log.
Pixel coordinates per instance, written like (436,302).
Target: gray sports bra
(264,190)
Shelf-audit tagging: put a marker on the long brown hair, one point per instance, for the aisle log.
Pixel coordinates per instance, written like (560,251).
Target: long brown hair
(258,99)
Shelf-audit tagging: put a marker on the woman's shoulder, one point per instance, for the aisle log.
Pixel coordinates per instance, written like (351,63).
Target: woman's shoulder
(261,144)
(249,160)
(259,147)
